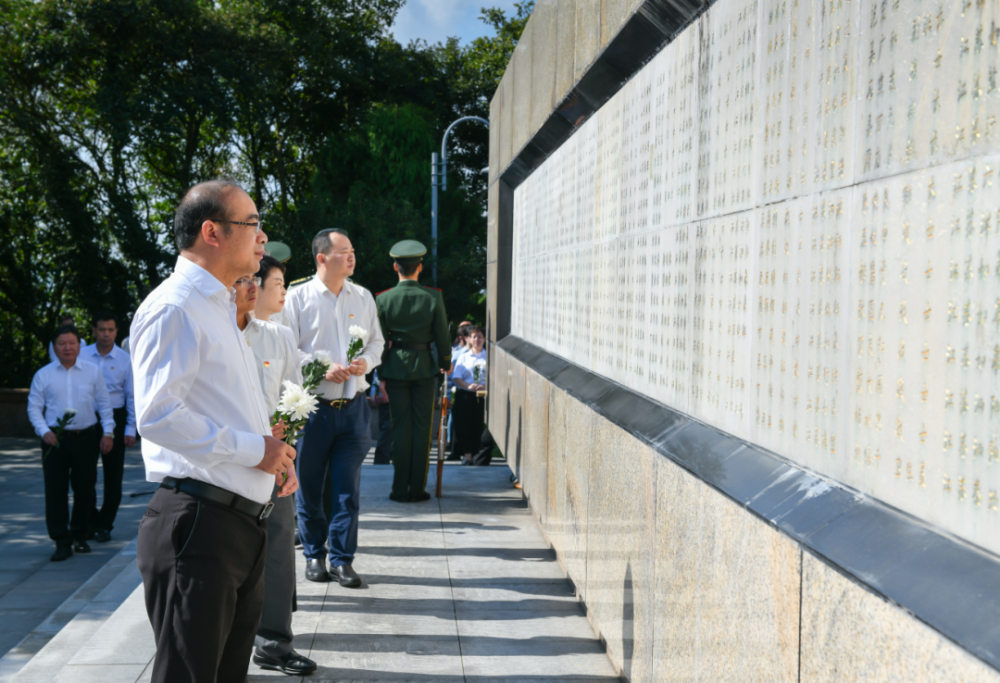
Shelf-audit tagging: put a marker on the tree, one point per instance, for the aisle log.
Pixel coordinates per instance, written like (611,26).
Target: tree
(110,110)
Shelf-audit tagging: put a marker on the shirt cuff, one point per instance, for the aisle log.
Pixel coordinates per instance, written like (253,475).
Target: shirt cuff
(249,449)
(129,430)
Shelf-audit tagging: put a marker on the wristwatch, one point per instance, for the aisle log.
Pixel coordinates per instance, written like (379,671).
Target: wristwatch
(109,435)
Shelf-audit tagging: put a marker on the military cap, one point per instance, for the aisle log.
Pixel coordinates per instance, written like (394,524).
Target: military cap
(279,251)
(408,251)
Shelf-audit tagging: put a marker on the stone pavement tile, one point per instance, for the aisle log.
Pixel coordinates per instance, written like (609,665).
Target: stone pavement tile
(501,571)
(338,624)
(555,597)
(386,657)
(125,638)
(532,644)
(100,673)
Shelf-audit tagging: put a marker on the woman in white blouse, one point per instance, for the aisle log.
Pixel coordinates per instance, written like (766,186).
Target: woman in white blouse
(470,377)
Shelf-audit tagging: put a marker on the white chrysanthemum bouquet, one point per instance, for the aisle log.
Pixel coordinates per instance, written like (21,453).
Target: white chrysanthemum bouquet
(298,402)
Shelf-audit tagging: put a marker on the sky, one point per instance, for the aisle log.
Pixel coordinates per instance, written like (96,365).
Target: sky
(436,20)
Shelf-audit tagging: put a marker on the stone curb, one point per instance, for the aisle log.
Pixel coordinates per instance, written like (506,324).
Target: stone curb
(44,652)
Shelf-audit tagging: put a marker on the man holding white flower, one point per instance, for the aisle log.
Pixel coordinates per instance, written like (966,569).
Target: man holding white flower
(332,315)
(62,402)
(277,362)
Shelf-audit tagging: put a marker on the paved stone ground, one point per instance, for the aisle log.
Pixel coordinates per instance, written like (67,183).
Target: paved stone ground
(34,592)
(462,588)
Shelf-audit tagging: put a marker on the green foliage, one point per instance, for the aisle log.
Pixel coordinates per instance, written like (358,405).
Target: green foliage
(109,110)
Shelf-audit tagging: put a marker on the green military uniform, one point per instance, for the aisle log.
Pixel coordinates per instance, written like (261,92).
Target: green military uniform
(412,317)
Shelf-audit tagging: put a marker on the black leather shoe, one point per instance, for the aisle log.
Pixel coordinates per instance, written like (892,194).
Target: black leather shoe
(63,552)
(399,499)
(420,497)
(81,547)
(292,664)
(345,576)
(102,535)
(316,570)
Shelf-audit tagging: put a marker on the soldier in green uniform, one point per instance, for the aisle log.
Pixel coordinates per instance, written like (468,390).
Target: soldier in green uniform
(412,317)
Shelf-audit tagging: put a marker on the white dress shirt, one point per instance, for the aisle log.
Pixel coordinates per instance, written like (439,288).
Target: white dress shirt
(54,390)
(319,319)
(198,401)
(281,318)
(464,366)
(275,358)
(117,370)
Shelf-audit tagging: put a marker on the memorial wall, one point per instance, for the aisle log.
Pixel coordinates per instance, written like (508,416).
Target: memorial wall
(787,225)
(743,325)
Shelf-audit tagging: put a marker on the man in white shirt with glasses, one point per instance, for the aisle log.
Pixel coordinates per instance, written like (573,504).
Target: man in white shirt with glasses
(337,437)
(206,437)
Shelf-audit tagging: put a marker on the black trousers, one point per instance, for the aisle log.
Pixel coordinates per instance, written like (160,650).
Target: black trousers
(113,463)
(383,447)
(73,463)
(202,568)
(470,412)
(486,445)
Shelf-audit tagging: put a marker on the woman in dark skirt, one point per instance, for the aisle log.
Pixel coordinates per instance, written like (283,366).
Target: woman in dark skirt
(470,377)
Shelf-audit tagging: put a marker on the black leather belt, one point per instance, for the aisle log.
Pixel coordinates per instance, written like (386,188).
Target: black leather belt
(75,432)
(339,403)
(215,494)
(410,346)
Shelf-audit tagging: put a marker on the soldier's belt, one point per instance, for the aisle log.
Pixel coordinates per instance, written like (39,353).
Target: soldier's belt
(409,346)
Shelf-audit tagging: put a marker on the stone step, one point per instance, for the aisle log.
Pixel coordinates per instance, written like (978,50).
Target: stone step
(45,651)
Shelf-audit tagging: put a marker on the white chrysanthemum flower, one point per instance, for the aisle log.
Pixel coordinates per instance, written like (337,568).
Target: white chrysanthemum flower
(296,402)
(324,358)
(71,411)
(358,333)
(480,363)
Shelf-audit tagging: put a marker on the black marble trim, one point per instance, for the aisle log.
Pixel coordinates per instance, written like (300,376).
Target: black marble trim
(649,30)
(951,586)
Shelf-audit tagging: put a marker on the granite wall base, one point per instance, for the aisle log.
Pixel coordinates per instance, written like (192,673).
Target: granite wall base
(681,582)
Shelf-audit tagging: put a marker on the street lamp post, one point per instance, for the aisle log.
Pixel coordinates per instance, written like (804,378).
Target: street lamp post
(439,178)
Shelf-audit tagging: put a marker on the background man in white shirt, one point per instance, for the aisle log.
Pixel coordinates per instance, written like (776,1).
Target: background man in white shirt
(70,458)
(116,366)
(206,436)
(277,361)
(337,436)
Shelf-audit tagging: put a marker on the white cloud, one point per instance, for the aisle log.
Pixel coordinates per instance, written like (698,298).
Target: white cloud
(436,20)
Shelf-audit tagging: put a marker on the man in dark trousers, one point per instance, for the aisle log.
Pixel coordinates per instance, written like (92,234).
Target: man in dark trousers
(116,366)
(206,438)
(66,396)
(412,318)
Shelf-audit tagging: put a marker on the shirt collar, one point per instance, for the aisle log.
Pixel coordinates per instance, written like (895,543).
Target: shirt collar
(93,351)
(252,320)
(74,366)
(204,281)
(407,283)
(321,287)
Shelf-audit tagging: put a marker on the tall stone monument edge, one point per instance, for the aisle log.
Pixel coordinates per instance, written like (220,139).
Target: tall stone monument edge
(630,191)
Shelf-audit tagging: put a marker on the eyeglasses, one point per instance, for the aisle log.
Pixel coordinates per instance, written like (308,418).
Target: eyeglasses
(256,226)
(245,281)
